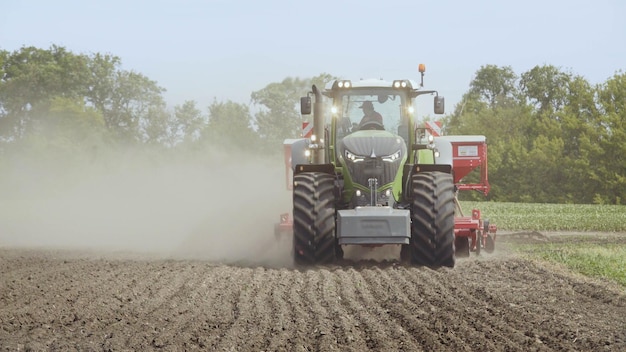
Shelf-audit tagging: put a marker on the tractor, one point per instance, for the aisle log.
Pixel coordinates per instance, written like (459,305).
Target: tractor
(369,175)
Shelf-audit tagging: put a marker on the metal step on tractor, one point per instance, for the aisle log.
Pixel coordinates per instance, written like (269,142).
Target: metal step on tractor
(369,175)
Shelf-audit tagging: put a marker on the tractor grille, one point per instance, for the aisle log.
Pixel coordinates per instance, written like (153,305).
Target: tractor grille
(384,171)
(373,154)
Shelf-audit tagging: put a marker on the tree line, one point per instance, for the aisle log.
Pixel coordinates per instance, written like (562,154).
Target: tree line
(58,97)
(553,137)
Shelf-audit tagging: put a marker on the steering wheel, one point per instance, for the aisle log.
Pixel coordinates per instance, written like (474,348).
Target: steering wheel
(372,125)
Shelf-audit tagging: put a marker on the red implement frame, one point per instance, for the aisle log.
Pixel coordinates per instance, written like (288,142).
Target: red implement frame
(285,226)
(471,232)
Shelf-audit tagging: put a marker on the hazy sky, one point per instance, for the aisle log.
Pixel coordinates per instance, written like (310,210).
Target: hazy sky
(226,49)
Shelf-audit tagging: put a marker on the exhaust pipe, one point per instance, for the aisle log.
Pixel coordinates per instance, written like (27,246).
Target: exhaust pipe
(318,126)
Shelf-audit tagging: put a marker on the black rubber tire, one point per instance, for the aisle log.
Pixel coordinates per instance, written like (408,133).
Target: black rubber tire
(314,238)
(432,219)
(338,252)
(405,254)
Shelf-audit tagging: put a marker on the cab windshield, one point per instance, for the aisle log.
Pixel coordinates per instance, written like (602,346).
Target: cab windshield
(357,109)
(354,111)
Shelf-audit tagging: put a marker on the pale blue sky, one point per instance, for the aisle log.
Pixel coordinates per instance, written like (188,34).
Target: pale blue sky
(226,49)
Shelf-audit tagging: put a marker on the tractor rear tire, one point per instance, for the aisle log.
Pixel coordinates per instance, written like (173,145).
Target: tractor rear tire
(314,218)
(432,219)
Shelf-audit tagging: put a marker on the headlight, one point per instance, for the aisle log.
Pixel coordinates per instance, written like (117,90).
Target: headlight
(344,84)
(402,84)
(393,157)
(352,157)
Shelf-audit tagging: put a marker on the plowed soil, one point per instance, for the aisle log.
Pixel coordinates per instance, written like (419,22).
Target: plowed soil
(185,258)
(53,299)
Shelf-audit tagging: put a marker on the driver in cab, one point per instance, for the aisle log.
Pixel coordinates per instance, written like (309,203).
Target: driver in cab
(370,116)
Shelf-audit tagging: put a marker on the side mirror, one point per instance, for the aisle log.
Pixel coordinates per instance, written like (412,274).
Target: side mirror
(305,105)
(440,105)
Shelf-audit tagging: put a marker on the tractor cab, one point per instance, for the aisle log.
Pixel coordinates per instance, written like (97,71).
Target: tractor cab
(357,110)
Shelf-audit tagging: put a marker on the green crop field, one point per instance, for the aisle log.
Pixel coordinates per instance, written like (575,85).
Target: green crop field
(591,254)
(551,217)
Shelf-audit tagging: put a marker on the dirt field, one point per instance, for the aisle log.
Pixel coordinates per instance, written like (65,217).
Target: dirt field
(53,299)
(175,259)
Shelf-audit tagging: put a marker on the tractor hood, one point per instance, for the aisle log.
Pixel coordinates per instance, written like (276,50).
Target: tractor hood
(373,144)
(372,155)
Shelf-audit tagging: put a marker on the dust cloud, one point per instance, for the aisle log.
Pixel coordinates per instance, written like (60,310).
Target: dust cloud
(214,207)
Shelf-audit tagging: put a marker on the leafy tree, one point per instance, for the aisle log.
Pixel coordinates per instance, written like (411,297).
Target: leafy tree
(552,136)
(230,127)
(63,128)
(545,87)
(101,83)
(556,140)
(65,135)
(32,76)
(279,116)
(492,108)
(189,121)
(612,138)
(159,128)
(133,99)
(492,84)
(73,121)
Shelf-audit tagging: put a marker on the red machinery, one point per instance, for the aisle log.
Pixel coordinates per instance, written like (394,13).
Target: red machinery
(468,154)
(285,226)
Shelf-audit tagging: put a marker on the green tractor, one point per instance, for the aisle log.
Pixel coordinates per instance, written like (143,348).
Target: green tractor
(368,176)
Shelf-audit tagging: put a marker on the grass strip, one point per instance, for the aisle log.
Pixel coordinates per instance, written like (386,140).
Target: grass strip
(589,256)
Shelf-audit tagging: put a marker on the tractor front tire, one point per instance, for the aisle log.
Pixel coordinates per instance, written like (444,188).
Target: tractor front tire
(432,219)
(314,239)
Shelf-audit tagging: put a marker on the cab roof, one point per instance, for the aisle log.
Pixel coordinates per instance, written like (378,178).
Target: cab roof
(369,83)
